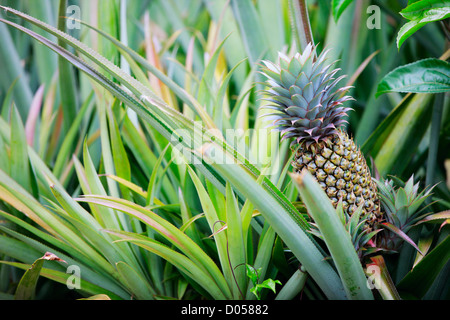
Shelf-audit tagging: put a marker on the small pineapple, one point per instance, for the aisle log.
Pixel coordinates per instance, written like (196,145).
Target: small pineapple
(362,238)
(307,106)
(403,209)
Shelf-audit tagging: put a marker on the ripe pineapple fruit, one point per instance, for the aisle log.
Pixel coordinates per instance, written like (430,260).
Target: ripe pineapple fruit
(307,106)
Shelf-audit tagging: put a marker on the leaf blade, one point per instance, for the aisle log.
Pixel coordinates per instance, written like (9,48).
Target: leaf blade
(424,76)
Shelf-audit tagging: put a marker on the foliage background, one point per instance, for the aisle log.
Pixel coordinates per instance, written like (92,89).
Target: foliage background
(66,136)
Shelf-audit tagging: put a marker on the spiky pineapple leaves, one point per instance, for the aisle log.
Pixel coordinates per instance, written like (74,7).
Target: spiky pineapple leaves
(420,279)
(404,206)
(335,235)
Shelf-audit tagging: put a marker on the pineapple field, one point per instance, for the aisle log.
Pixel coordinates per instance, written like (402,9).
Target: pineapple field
(214,150)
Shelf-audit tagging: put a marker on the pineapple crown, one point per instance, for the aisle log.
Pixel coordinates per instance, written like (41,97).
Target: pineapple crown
(305,103)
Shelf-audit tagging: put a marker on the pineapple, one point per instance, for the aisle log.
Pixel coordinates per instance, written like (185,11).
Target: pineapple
(307,106)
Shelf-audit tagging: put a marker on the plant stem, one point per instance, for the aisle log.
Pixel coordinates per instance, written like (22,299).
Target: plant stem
(383,281)
(300,23)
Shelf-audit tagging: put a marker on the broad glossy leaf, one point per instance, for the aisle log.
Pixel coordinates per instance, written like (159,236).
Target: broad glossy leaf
(420,13)
(424,76)
(338,7)
(407,30)
(270,284)
(429,10)
(252,274)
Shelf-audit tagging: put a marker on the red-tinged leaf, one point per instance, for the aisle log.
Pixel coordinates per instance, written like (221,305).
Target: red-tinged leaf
(436,216)
(33,114)
(401,234)
(386,286)
(443,224)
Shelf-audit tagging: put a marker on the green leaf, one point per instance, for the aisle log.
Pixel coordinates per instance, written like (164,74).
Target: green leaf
(266,199)
(183,263)
(135,282)
(63,277)
(301,28)
(27,285)
(392,143)
(212,218)
(250,26)
(264,256)
(26,289)
(119,156)
(236,245)
(401,234)
(66,149)
(407,30)
(428,10)
(420,279)
(14,72)
(336,237)
(420,13)
(436,216)
(338,7)
(270,284)
(424,76)
(167,230)
(20,169)
(252,274)
(67,86)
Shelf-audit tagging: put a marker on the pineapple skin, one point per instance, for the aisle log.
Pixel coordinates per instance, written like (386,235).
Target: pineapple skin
(342,171)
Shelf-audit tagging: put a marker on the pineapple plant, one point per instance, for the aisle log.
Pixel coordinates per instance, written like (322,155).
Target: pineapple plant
(362,238)
(306,106)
